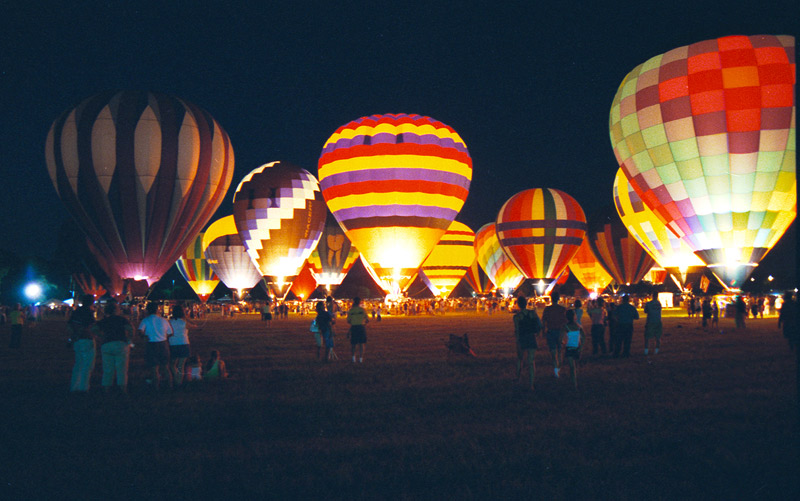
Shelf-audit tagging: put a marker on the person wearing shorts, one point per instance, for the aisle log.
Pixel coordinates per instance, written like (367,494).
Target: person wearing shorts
(357,318)
(526,326)
(156,329)
(554,318)
(573,340)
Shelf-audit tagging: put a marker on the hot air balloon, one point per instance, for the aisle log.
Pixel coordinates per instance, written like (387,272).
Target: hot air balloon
(305,284)
(540,231)
(193,267)
(616,250)
(498,267)
(705,133)
(449,261)
(395,183)
(227,256)
(141,173)
(478,279)
(669,251)
(89,285)
(588,270)
(280,213)
(333,257)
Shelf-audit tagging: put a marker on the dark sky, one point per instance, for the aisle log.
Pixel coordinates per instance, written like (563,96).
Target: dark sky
(528,88)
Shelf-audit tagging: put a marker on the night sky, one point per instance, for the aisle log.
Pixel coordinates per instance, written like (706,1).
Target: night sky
(528,89)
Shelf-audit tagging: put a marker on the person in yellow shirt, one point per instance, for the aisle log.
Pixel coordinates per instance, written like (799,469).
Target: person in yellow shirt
(357,318)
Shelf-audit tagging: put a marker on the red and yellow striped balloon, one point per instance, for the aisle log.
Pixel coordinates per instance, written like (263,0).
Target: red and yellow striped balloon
(588,270)
(498,267)
(395,183)
(616,249)
(540,230)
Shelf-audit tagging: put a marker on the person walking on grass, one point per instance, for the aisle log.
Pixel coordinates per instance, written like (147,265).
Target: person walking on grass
(554,318)
(16,317)
(573,341)
(116,333)
(624,314)
(156,329)
(652,325)
(357,318)
(526,327)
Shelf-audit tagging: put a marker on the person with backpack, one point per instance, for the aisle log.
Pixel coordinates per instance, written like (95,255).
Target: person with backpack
(526,327)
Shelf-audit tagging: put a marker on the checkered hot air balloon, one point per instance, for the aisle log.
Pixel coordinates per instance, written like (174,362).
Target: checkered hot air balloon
(498,267)
(705,133)
(141,173)
(540,230)
(194,268)
(279,213)
(669,251)
(228,257)
(395,183)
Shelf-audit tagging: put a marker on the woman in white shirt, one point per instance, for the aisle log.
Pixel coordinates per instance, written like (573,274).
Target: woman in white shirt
(156,329)
(179,344)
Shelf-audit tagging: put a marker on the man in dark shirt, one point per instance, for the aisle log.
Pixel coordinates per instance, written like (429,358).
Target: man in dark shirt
(625,314)
(554,319)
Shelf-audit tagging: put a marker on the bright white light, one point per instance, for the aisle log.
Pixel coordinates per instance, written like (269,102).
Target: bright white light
(33,291)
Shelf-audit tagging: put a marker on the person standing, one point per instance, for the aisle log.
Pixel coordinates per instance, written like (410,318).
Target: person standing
(357,318)
(156,329)
(554,318)
(573,341)
(578,307)
(179,348)
(324,323)
(787,319)
(16,318)
(652,325)
(625,314)
(611,319)
(597,314)
(740,312)
(83,343)
(526,327)
(116,334)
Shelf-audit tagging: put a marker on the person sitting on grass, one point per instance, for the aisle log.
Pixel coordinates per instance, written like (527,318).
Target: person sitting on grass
(573,340)
(194,369)
(215,367)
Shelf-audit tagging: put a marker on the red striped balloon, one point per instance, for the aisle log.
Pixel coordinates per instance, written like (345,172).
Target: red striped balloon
(540,231)
(620,254)
(395,183)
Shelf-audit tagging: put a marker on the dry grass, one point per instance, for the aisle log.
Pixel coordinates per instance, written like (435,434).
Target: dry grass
(713,416)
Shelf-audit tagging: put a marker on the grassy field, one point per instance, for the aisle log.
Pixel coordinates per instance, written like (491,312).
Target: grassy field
(712,416)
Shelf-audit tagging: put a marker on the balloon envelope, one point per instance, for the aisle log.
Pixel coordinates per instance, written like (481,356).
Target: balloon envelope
(669,251)
(498,267)
(705,133)
(540,230)
(588,270)
(280,213)
(196,271)
(395,183)
(478,279)
(227,256)
(449,261)
(141,173)
(334,255)
(616,250)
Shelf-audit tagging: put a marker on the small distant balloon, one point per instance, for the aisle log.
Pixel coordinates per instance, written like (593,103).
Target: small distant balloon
(194,268)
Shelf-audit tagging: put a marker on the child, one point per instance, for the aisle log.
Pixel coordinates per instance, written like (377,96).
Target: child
(194,368)
(215,367)
(574,341)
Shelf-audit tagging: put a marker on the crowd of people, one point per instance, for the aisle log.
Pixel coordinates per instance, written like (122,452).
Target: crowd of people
(171,362)
(167,347)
